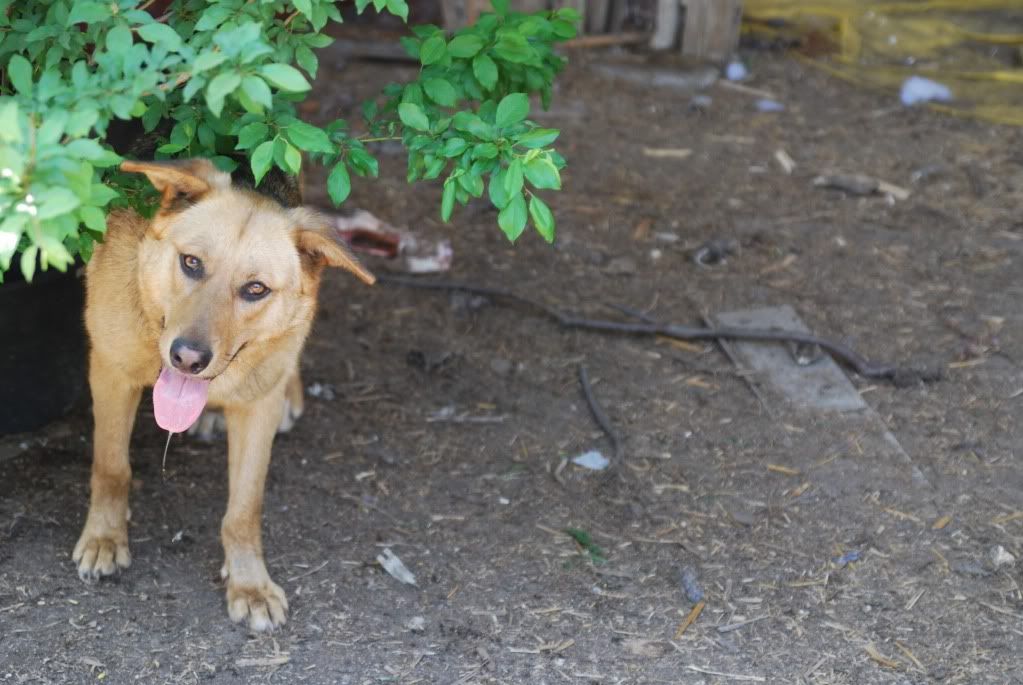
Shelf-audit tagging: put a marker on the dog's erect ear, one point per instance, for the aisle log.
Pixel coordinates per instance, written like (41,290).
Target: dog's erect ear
(181,183)
(319,241)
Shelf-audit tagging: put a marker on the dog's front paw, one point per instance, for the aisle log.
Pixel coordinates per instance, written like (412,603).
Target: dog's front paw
(101,554)
(258,601)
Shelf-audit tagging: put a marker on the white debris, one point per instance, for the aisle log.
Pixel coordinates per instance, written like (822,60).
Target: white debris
(324,390)
(394,566)
(417,624)
(593,460)
(1001,557)
(736,71)
(917,89)
(767,105)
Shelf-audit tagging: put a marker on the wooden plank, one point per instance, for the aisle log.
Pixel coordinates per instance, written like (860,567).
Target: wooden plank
(665,25)
(598,15)
(711,28)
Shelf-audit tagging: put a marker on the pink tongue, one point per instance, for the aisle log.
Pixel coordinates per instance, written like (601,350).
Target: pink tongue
(178,400)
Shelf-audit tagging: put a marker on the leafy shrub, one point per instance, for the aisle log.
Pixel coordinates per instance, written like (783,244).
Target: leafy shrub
(221,79)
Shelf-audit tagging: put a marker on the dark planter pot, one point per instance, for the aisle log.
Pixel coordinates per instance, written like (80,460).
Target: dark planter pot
(42,348)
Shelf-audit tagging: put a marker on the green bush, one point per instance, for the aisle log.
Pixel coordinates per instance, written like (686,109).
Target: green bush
(221,79)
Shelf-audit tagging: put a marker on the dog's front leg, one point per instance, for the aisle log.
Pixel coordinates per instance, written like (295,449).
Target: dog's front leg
(250,592)
(103,545)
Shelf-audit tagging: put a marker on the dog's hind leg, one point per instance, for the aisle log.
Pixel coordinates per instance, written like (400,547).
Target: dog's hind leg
(251,595)
(103,545)
(294,403)
(212,425)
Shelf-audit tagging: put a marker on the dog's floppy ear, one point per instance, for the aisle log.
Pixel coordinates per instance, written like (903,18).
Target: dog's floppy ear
(319,241)
(182,182)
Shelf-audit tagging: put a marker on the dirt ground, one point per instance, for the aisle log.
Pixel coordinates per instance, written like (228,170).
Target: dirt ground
(451,415)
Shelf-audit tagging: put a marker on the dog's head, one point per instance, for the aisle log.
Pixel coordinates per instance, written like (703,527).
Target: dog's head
(226,268)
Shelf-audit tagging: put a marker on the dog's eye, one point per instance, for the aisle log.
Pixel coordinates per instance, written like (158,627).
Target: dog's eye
(254,290)
(192,266)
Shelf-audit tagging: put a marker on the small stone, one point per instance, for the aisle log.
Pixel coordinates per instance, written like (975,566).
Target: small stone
(1001,557)
(417,624)
(502,367)
(621,266)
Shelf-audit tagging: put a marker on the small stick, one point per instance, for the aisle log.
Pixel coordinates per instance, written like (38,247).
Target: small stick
(729,676)
(309,572)
(606,40)
(850,357)
(690,619)
(598,414)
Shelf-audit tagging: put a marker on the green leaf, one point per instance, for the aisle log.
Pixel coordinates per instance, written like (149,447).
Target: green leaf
(500,7)
(257,91)
(161,34)
(513,178)
(93,217)
(339,183)
(85,148)
(214,16)
(308,137)
(207,60)
(287,156)
(364,163)
(251,134)
(305,7)
(307,59)
(514,48)
(512,109)
(453,147)
(542,173)
(79,123)
(398,8)
(413,116)
(465,46)
(10,129)
(471,183)
(87,12)
(447,200)
(441,92)
(19,71)
(219,88)
(564,29)
(119,40)
(433,50)
(485,71)
(286,77)
(498,195)
(512,218)
(537,138)
(28,262)
(470,123)
(262,160)
(485,151)
(55,202)
(543,220)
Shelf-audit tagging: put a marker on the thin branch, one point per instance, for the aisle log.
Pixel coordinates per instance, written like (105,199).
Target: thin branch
(598,414)
(842,353)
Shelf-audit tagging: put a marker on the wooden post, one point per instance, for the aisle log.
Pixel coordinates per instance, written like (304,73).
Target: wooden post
(712,28)
(665,25)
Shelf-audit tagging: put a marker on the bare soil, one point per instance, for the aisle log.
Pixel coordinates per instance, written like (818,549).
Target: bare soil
(760,501)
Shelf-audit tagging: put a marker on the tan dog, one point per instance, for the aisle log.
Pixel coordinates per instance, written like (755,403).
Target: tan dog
(212,301)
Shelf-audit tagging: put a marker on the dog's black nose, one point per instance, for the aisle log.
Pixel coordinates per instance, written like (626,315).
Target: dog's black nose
(189,356)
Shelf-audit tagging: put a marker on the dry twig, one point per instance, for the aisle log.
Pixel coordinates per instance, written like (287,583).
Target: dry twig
(853,359)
